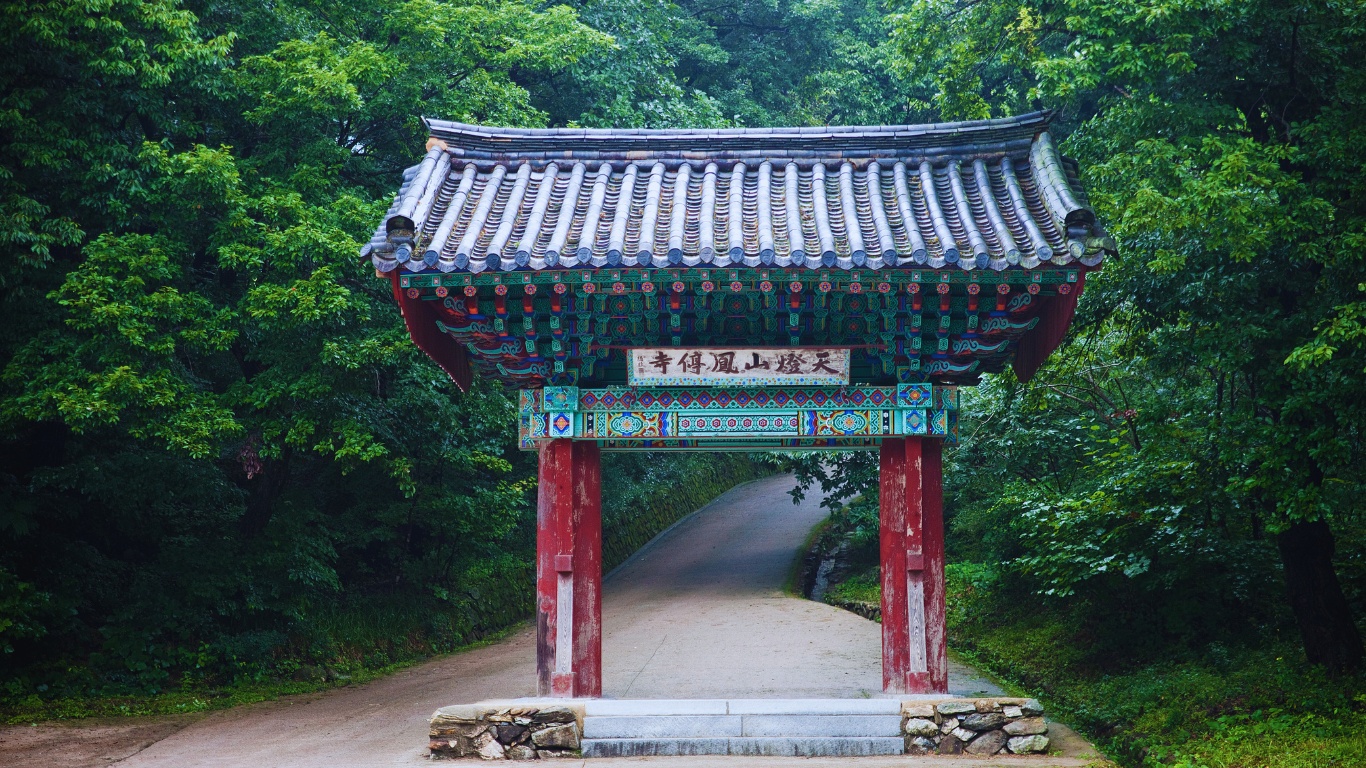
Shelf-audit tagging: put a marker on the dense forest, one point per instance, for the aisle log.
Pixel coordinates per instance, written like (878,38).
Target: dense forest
(210,475)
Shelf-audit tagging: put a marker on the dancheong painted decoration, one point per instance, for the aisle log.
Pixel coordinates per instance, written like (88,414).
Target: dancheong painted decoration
(739,289)
(933,253)
(779,417)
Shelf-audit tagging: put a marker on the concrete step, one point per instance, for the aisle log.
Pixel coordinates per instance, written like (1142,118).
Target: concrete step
(771,727)
(628,707)
(828,746)
(732,726)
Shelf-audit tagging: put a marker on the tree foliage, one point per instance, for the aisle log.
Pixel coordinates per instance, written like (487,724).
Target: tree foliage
(1211,395)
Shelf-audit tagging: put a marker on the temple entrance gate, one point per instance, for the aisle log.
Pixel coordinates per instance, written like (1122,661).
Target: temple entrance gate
(569,510)
(739,289)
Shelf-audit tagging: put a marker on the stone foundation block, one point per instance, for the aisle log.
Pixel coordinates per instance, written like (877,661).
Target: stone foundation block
(925,711)
(565,736)
(920,727)
(988,743)
(496,730)
(983,722)
(950,745)
(527,729)
(1027,726)
(975,726)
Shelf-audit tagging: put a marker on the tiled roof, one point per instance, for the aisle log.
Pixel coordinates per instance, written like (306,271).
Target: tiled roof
(987,194)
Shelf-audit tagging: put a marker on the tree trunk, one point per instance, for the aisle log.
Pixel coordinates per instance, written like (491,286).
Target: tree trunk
(1330,636)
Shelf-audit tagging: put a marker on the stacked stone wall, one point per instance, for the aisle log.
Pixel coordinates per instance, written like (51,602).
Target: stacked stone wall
(495,731)
(974,726)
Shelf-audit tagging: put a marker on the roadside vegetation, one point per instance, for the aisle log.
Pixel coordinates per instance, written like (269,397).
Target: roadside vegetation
(351,636)
(1146,691)
(1222,701)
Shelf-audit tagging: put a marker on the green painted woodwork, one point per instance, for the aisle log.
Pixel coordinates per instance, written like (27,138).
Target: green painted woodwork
(760,418)
(539,328)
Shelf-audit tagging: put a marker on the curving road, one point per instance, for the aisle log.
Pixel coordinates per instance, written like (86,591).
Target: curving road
(699,612)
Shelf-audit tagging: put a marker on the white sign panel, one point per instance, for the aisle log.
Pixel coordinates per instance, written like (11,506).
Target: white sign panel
(736,367)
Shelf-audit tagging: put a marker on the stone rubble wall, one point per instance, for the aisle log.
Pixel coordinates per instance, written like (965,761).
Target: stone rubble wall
(512,730)
(974,726)
(493,730)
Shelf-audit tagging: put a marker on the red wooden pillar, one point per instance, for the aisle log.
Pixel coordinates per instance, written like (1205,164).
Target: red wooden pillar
(911,511)
(587,662)
(569,570)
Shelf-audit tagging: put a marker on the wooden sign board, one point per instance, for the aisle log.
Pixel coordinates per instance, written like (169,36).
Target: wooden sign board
(736,366)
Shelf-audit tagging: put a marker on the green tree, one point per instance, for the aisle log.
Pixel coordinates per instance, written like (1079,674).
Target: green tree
(797,63)
(635,82)
(1214,137)
(207,396)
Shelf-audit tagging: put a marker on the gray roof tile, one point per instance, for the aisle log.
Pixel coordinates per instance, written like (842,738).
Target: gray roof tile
(991,194)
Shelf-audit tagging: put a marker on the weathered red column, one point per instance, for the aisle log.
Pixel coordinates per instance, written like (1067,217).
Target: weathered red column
(587,663)
(892,514)
(569,570)
(911,511)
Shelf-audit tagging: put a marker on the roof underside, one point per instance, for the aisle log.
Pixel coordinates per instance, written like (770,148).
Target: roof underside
(935,253)
(978,195)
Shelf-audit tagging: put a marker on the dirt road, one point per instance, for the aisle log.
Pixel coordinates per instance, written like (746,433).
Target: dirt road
(698,613)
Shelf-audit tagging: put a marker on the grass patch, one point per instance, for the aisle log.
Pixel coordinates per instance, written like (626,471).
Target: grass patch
(1274,740)
(861,587)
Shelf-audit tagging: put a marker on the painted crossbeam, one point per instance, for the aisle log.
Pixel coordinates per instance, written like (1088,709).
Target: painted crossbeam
(768,418)
(552,328)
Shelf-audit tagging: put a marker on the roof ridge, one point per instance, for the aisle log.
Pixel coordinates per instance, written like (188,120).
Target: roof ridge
(439,128)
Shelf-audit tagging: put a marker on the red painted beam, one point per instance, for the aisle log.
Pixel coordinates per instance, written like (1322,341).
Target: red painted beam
(914,651)
(420,318)
(1054,319)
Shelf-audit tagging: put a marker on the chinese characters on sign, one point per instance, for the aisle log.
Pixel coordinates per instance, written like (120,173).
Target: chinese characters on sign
(726,367)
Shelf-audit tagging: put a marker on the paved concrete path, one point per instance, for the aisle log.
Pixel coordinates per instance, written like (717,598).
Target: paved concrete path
(698,613)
